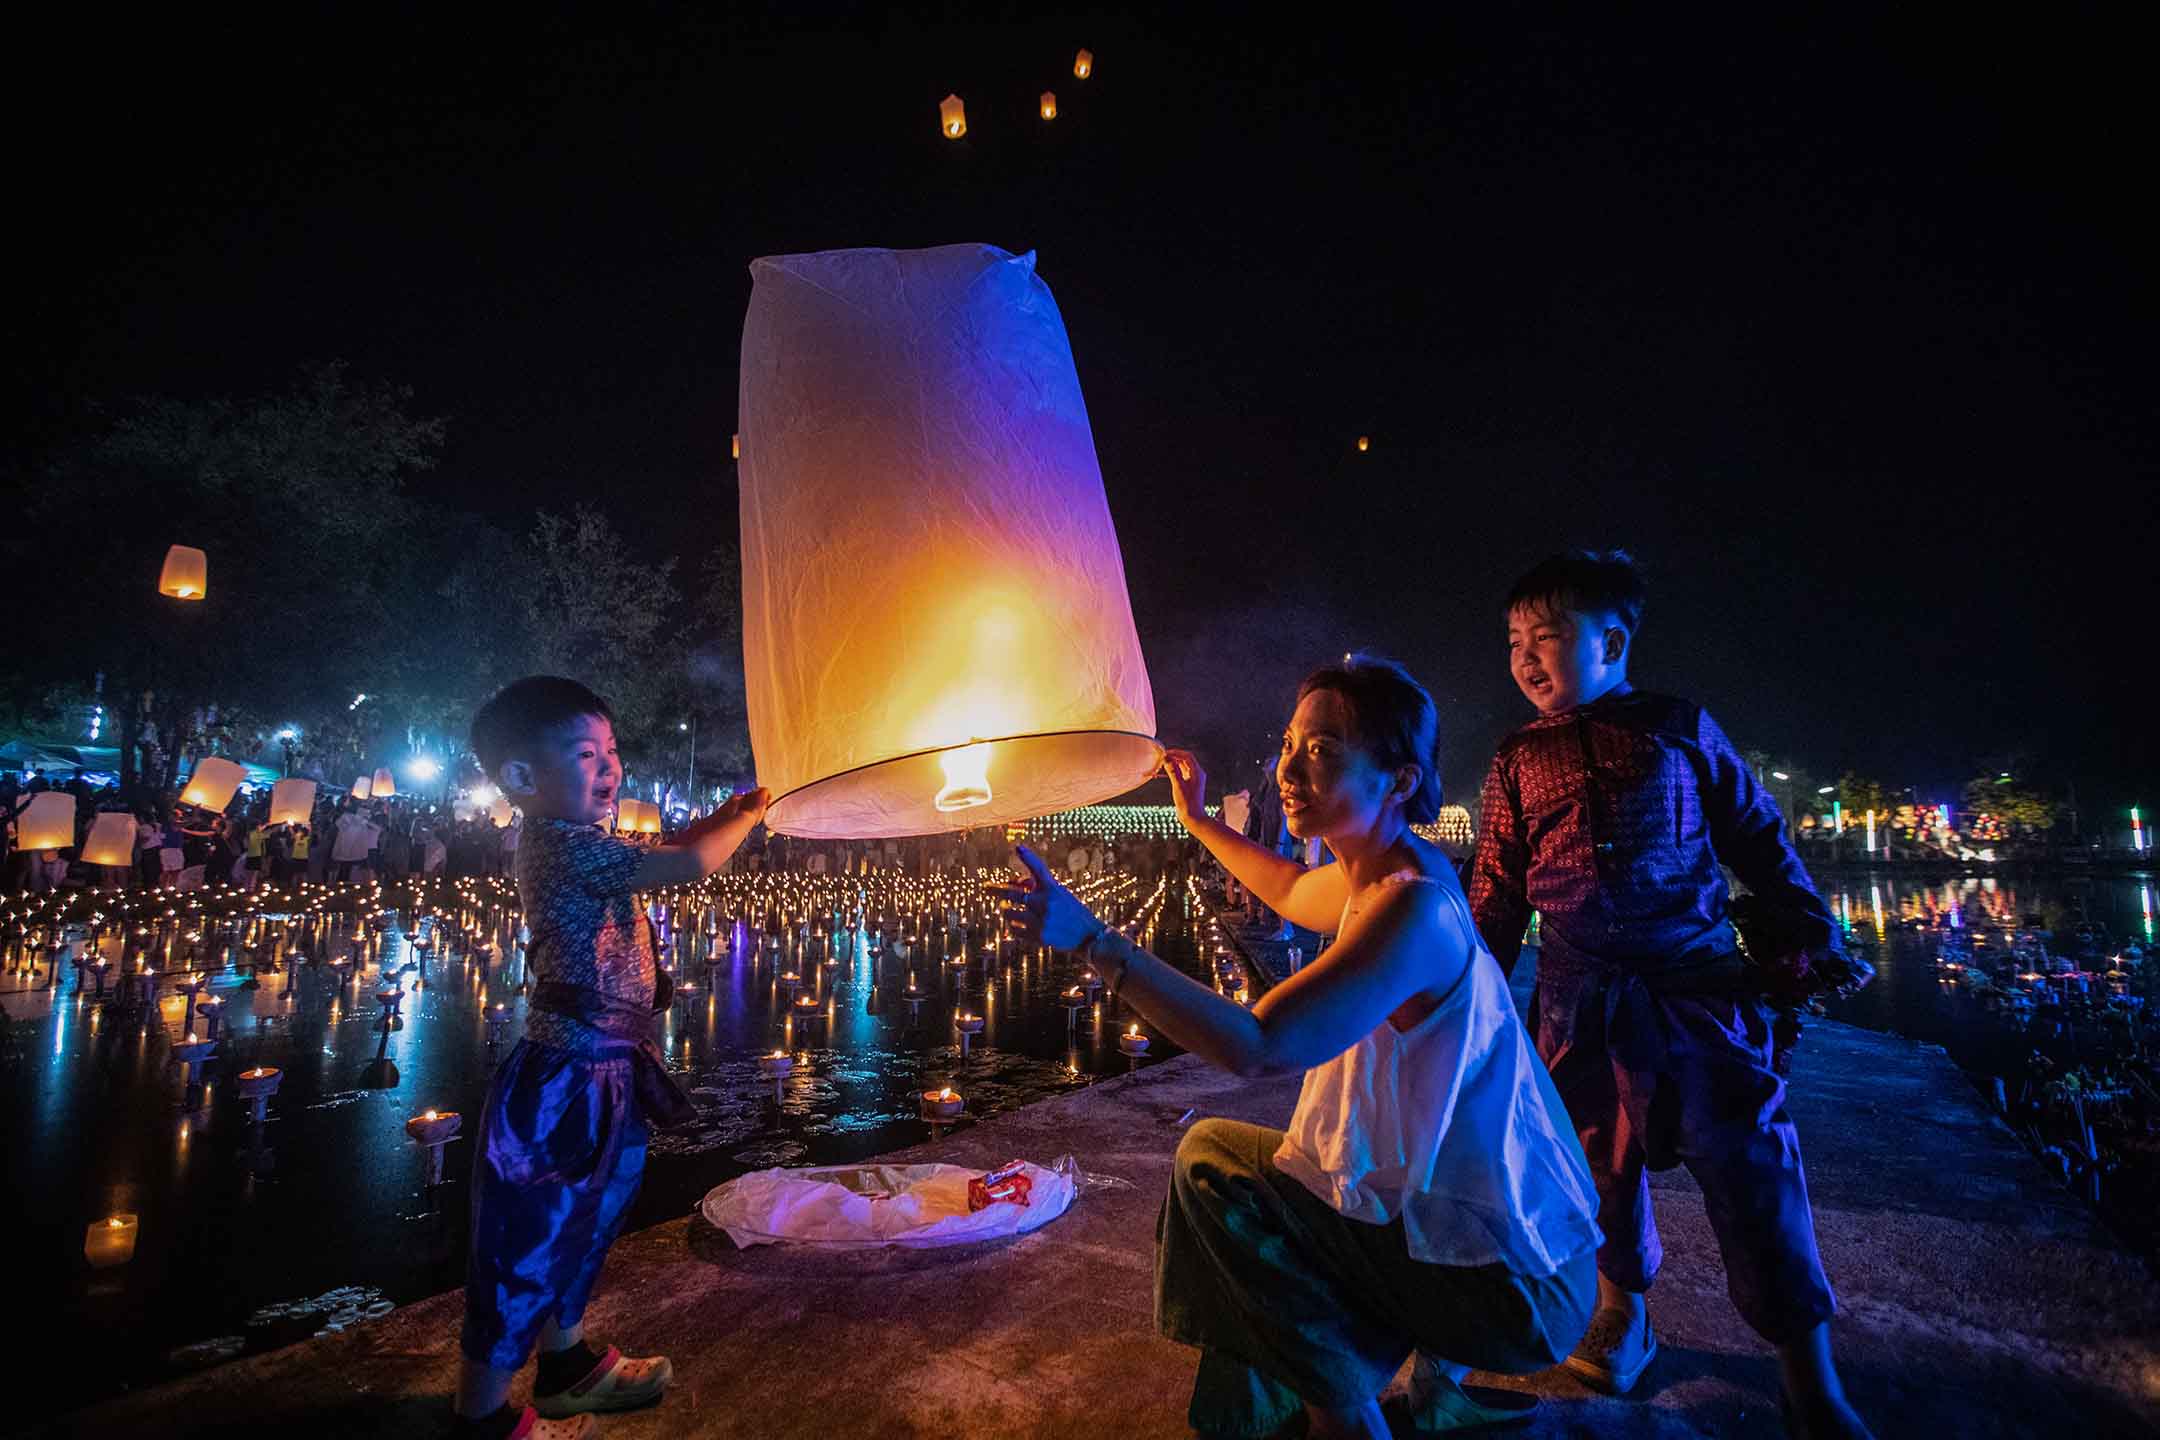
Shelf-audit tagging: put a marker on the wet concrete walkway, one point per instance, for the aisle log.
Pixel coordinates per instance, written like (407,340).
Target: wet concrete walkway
(1980,1299)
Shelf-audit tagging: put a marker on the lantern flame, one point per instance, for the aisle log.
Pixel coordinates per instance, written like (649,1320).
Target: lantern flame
(967,777)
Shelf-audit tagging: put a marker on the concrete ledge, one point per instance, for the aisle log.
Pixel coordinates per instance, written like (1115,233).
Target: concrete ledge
(1981,1300)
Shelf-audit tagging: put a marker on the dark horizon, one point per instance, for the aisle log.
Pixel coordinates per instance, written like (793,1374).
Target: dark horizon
(1836,322)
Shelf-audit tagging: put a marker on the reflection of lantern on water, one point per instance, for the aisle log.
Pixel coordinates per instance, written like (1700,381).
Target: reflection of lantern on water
(937,633)
(952,117)
(1049,105)
(1084,64)
(292,802)
(186,573)
(47,822)
(212,785)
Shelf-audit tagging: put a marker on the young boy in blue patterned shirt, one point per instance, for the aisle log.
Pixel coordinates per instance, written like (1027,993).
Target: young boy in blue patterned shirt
(562,1138)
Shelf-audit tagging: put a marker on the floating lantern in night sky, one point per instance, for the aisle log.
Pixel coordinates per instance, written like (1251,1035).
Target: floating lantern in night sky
(1049,105)
(952,117)
(936,631)
(1084,64)
(362,787)
(292,801)
(213,783)
(186,573)
(47,822)
(384,786)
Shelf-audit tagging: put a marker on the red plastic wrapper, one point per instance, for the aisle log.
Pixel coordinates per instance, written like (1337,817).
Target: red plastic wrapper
(1008,1185)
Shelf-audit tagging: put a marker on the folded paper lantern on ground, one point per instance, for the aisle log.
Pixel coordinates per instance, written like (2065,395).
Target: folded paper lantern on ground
(292,802)
(47,822)
(111,840)
(186,575)
(384,786)
(213,783)
(936,632)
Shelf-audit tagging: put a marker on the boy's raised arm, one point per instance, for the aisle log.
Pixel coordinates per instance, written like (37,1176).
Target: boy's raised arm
(705,846)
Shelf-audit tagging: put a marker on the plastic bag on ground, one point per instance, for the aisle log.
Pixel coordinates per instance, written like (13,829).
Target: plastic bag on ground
(866,1207)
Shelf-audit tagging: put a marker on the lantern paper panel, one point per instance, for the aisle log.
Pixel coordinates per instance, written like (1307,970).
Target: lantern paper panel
(362,787)
(186,575)
(952,117)
(500,813)
(292,802)
(47,822)
(213,783)
(384,786)
(936,631)
(1049,105)
(111,840)
(1084,64)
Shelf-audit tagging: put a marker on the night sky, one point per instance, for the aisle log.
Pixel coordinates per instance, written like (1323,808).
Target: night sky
(1842,324)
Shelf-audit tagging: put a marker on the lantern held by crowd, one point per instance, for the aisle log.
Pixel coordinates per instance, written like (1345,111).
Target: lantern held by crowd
(1049,105)
(47,822)
(292,802)
(952,117)
(212,785)
(385,786)
(186,575)
(111,840)
(500,813)
(1084,64)
(936,631)
(362,787)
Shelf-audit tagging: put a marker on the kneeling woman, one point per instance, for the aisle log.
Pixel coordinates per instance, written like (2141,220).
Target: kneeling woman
(1429,1195)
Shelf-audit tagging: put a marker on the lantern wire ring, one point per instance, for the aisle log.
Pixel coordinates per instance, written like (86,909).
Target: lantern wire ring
(960,745)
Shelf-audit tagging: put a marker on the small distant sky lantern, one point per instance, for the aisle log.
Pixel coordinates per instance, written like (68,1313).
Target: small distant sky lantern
(186,575)
(1084,64)
(1049,105)
(47,822)
(111,841)
(936,631)
(952,117)
(213,783)
(362,785)
(735,446)
(1364,443)
(384,785)
(292,802)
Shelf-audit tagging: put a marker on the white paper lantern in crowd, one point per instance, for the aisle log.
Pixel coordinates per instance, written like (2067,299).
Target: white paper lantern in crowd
(362,787)
(111,840)
(292,802)
(47,822)
(936,631)
(213,783)
(384,786)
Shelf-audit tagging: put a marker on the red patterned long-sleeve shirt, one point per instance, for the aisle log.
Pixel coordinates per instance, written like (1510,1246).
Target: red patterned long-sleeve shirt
(1611,820)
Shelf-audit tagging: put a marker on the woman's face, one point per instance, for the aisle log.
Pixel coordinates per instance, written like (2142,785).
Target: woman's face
(1329,784)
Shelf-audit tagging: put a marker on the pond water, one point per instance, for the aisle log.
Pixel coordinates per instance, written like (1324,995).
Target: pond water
(251,1238)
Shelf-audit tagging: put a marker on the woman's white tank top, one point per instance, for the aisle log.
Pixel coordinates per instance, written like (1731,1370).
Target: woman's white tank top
(1452,1125)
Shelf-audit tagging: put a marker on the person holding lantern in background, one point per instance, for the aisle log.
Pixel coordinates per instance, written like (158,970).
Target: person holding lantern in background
(562,1137)
(1429,1195)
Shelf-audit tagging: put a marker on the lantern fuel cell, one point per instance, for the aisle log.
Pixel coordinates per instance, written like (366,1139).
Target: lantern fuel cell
(936,630)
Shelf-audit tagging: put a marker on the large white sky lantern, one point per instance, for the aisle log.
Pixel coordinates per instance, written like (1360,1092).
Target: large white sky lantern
(936,633)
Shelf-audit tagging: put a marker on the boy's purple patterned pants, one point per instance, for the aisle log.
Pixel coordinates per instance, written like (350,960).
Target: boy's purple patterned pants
(1657,1079)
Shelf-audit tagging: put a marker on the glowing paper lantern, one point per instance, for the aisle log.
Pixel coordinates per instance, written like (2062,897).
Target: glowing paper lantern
(735,446)
(1049,105)
(384,787)
(213,783)
(362,786)
(47,822)
(111,840)
(1084,64)
(648,819)
(1236,809)
(186,575)
(936,633)
(500,813)
(292,802)
(952,117)
(1364,443)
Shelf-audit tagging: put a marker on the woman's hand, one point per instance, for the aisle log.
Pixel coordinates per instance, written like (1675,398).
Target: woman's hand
(1040,911)
(1188,784)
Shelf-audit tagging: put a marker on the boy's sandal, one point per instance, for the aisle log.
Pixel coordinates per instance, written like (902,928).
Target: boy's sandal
(1594,1367)
(616,1383)
(1449,1407)
(531,1427)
